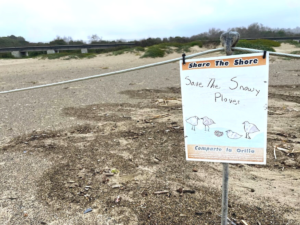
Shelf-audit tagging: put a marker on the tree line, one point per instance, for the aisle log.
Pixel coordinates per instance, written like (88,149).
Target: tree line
(254,30)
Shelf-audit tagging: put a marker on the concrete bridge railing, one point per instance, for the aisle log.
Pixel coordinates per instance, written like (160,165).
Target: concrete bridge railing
(23,51)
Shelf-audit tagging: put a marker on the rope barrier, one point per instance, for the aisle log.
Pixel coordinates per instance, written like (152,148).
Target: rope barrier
(143,67)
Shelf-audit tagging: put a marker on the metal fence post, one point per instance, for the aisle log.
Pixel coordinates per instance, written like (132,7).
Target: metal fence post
(225,193)
(228,40)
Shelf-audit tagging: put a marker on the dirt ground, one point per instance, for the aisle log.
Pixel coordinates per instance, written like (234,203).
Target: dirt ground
(116,145)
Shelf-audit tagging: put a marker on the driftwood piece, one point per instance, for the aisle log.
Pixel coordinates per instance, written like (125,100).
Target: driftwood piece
(161,192)
(244,222)
(108,174)
(181,191)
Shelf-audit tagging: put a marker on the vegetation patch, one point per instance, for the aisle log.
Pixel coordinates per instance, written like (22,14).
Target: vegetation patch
(161,49)
(68,56)
(154,52)
(256,44)
(295,52)
(265,42)
(295,43)
(6,56)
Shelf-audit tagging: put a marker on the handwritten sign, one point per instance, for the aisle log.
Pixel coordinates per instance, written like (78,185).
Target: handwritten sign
(225,101)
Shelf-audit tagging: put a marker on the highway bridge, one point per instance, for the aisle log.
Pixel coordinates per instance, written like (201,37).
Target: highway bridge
(275,38)
(23,51)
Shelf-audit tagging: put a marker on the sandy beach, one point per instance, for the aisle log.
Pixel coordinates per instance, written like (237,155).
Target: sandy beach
(57,142)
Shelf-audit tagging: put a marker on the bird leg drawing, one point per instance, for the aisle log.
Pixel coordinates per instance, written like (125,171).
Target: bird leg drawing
(207,122)
(193,121)
(249,129)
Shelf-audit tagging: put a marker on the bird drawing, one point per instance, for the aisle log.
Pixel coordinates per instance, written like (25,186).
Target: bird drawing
(193,121)
(233,135)
(250,128)
(207,122)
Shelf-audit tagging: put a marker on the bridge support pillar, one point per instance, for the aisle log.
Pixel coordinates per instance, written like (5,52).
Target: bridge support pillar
(18,54)
(50,51)
(84,50)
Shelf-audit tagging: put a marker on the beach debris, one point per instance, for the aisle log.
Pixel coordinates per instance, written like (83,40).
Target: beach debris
(290,162)
(116,186)
(207,122)
(81,173)
(25,214)
(193,121)
(199,213)
(195,170)
(88,210)
(218,133)
(104,179)
(182,215)
(161,192)
(72,185)
(87,188)
(244,222)
(115,171)
(109,174)
(250,189)
(155,156)
(181,191)
(231,222)
(118,199)
(144,193)
(161,101)
(250,128)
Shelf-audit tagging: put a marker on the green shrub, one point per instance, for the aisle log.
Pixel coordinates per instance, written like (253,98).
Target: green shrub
(35,54)
(183,48)
(265,42)
(7,56)
(153,52)
(249,44)
(195,43)
(68,55)
(140,49)
(161,49)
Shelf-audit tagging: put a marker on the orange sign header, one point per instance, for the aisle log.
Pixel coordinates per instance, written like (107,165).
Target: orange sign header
(225,63)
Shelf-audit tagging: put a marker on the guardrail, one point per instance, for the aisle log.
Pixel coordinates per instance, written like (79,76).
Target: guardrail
(62,47)
(145,66)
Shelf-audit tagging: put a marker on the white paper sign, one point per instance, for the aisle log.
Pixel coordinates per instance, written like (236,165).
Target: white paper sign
(225,102)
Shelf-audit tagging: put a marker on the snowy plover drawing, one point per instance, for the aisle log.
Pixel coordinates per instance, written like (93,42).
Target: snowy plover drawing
(250,128)
(193,121)
(233,135)
(207,122)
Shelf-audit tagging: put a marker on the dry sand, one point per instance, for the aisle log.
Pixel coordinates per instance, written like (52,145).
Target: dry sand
(31,182)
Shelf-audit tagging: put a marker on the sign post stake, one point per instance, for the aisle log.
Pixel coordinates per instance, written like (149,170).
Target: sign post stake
(225,193)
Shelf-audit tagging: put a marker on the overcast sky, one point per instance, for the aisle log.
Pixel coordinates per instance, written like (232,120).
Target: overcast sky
(42,21)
